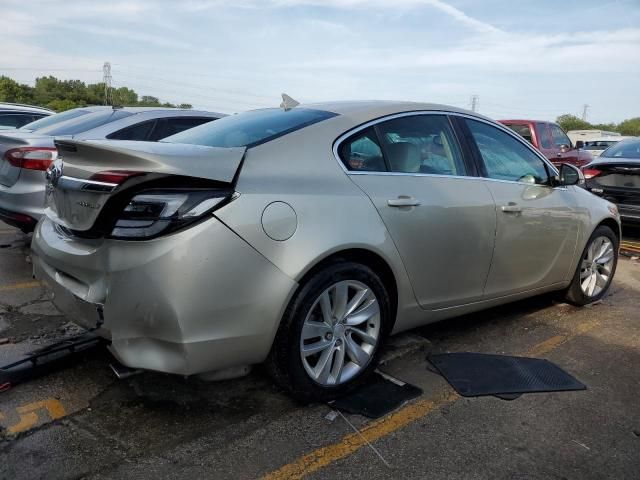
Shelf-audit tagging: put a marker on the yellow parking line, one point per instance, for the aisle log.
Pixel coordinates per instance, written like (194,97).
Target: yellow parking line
(19,286)
(350,443)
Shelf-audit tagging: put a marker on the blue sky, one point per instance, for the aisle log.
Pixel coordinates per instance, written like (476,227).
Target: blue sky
(523,59)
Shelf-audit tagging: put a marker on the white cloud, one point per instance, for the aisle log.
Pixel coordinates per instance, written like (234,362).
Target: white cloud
(233,55)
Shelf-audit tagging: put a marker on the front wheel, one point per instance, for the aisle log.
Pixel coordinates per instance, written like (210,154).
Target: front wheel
(330,337)
(596,268)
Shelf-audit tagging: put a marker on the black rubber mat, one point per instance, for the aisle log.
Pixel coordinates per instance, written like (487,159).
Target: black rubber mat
(478,374)
(377,398)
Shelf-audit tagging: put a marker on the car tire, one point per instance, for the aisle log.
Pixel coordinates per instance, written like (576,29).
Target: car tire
(593,266)
(303,329)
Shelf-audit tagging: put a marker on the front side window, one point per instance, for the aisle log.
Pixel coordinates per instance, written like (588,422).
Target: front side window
(506,158)
(559,137)
(14,120)
(543,135)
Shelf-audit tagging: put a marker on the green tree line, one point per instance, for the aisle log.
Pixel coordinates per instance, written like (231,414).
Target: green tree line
(60,95)
(627,127)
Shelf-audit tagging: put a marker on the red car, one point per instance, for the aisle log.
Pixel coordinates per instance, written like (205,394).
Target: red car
(551,140)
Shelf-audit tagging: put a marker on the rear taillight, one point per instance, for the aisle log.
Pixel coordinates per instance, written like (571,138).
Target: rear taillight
(157,212)
(31,158)
(590,172)
(114,176)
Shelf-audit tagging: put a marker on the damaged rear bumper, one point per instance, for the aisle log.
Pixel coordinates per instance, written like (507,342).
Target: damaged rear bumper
(196,301)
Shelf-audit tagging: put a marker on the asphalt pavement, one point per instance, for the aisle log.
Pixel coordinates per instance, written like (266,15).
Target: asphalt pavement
(81,422)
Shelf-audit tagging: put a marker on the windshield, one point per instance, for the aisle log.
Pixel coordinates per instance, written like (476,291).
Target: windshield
(251,128)
(84,123)
(623,149)
(53,119)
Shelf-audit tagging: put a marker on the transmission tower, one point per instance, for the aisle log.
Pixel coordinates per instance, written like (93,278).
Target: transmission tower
(474,103)
(584,112)
(106,79)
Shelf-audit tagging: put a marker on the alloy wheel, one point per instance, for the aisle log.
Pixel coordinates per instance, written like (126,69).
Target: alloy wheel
(340,333)
(596,267)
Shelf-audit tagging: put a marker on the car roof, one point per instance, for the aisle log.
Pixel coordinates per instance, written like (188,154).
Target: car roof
(523,122)
(139,116)
(364,110)
(20,107)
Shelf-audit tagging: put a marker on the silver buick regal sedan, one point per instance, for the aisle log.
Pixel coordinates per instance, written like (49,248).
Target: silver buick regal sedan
(303,237)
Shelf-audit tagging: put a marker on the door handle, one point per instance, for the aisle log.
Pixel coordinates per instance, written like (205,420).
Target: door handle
(511,208)
(403,201)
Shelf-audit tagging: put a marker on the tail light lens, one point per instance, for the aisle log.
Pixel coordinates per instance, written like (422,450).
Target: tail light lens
(31,158)
(155,212)
(590,172)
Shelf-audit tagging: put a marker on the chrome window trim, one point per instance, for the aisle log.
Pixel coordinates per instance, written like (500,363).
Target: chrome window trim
(71,183)
(349,133)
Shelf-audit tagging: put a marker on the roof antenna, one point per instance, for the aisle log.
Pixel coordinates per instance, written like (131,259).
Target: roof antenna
(288,103)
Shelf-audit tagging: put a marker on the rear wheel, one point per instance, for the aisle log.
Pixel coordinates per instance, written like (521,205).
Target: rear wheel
(330,337)
(596,268)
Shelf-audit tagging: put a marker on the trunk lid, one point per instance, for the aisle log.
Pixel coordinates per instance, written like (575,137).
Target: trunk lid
(75,201)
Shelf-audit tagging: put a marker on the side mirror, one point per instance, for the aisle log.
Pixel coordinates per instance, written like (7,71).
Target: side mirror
(570,175)
(565,148)
(579,144)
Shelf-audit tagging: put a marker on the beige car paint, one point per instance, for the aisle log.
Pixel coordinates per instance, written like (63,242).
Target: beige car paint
(212,296)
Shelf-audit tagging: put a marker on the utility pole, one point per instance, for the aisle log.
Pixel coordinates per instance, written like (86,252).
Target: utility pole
(474,103)
(106,79)
(584,112)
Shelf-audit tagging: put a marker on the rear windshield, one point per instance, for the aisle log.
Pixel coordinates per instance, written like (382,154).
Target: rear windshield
(598,144)
(251,128)
(522,130)
(53,119)
(623,149)
(84,123)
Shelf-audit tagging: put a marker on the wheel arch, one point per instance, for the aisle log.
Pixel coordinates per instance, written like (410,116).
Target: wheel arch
(613,225)
(365,257)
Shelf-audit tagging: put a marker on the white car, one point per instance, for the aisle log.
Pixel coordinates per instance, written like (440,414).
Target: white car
(598,145)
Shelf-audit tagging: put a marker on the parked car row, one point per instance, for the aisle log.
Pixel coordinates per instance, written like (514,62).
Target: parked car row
(26,153)
(15,115)
(299,236)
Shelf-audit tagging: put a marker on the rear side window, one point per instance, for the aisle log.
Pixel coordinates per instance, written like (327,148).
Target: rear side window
(14,120)
(559,137)
(85,123)
(172,125)
(251,128)
(543,135)
(362,152)
(57,118)
(505,158)
(411,144)
(140,131)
